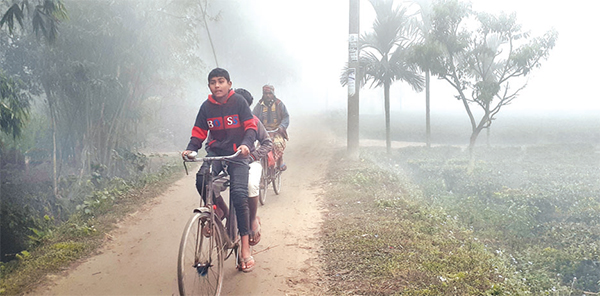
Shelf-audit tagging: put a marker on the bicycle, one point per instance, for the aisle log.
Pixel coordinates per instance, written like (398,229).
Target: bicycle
(269,175)
(206,243)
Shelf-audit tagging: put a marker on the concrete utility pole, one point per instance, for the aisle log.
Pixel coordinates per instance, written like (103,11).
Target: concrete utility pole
(353,80)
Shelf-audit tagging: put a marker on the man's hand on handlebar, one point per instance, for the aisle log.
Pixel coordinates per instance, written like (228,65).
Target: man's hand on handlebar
(188,154)
(244,150)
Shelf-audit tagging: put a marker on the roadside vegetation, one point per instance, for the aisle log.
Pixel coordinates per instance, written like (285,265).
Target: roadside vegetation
(85,88)
(58,232)
(526,221)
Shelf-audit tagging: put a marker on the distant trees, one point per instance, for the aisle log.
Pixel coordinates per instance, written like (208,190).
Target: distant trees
(484,57)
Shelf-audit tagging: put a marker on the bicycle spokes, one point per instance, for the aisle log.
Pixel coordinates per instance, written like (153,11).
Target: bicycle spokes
(200,263)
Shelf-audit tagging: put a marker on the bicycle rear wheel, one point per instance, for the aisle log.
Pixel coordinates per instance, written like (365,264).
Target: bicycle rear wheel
(264,181)
(277,181)
(200,261)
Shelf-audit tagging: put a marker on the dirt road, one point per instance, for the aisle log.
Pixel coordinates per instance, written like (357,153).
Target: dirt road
(139,258)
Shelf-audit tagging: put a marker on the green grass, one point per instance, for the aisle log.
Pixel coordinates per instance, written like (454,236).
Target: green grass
(379,239)
(525,222)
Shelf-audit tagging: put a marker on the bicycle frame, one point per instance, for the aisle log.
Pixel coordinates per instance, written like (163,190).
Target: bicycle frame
(230,230)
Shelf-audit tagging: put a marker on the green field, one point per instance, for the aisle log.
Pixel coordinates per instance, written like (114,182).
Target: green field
(526,221)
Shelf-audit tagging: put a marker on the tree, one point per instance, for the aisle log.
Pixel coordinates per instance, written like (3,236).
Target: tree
(384,55)
(425,54)
(110,58)
(481,64)
(14,106)
(44,16)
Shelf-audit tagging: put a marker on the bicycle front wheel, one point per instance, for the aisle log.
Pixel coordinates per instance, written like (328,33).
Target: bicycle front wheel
(200,261)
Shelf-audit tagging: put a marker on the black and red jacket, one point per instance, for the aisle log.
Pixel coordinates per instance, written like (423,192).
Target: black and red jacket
(230,123)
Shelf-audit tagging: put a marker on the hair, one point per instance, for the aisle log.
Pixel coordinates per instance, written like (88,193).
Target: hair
(218,72)
(246,94)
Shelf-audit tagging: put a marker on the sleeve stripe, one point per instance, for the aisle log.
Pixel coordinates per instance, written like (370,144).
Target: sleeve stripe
(199,133)
(250,124)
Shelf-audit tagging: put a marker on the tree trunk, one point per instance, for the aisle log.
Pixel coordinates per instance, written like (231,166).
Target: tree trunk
(472,142)
(386,94)
(54,164)
(427,111)
(51,107)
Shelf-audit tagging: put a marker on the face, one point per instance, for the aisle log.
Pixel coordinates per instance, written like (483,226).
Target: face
(219,87)
(269,96)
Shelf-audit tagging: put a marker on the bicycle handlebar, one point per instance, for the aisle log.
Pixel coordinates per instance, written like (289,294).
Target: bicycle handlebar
(192,157)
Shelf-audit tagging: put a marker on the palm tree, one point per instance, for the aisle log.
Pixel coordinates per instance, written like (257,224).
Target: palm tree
(384,55)
(425,54)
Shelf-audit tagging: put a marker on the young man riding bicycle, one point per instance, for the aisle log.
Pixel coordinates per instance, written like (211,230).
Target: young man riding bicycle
(264,145)
(232,126)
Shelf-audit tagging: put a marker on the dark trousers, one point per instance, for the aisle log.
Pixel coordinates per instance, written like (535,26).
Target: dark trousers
(238,188)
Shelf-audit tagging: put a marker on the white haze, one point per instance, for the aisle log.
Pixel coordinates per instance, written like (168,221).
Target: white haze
(315,32)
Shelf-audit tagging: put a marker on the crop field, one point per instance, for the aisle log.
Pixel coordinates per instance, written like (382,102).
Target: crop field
(525,221)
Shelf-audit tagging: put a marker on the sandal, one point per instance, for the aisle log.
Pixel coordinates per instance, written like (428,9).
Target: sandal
(247,264)
(255,235)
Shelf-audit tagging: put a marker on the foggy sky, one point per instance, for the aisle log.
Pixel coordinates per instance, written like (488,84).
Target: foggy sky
(564,82)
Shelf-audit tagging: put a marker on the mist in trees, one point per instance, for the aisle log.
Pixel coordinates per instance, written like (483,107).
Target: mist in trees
(483,57)
(88,85)
(95,86)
